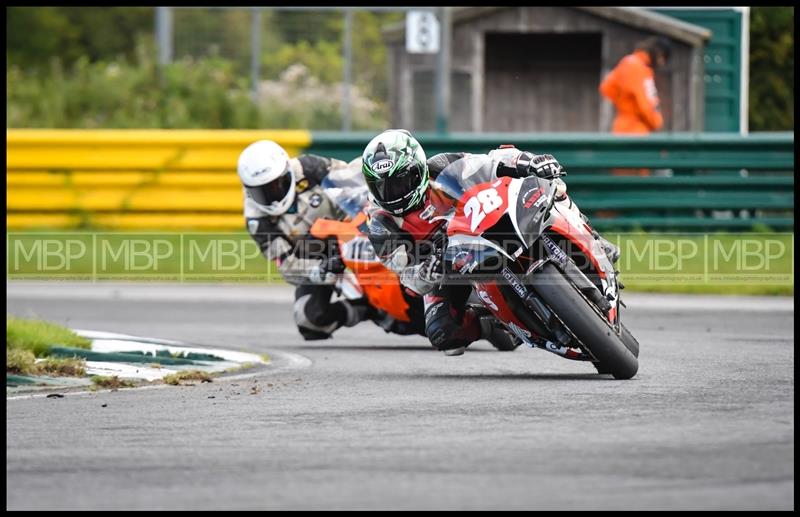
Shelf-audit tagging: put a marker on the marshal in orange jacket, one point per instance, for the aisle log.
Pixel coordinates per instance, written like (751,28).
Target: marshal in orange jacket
(631,87)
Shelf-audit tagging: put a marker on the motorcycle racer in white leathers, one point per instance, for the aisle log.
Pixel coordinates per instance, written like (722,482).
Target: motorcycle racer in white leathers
(282,199)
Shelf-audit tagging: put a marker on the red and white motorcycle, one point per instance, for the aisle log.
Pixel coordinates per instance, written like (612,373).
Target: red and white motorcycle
(537,266)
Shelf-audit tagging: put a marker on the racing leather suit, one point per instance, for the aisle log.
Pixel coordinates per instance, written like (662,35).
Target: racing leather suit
(286,240)
(404,244)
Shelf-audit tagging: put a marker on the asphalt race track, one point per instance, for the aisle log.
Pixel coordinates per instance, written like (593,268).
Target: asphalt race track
(370,420)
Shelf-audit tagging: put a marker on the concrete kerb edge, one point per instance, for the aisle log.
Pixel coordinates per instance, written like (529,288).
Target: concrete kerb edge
(233,362)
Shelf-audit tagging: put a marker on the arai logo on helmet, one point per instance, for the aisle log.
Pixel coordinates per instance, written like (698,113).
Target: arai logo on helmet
(382,165)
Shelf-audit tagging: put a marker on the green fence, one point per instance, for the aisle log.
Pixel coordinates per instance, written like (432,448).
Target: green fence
(722,62)
(701,181)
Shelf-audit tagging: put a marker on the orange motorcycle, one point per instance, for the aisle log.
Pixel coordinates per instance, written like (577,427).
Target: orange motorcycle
(364,275)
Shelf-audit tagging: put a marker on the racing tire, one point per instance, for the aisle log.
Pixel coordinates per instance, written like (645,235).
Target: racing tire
(586,323)
(629,340)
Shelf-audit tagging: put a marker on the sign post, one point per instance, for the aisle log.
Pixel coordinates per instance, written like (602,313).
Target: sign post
(422,32)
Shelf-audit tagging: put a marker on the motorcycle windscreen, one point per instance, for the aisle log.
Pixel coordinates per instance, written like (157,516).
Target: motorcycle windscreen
(347,189)
(463,174)
(533,204)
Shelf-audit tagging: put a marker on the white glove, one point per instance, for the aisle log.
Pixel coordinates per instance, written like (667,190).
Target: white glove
(398,260)
(422,278)
(410,278)
(431,270)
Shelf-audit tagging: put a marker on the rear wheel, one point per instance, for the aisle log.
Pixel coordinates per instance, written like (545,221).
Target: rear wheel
(587,324)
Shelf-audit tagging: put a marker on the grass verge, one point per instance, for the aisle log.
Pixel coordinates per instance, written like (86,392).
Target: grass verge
(187,375)
(100,381)
(39,336)
(28,339)
(20,361)
(62,367)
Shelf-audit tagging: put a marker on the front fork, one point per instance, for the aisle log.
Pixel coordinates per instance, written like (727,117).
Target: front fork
(548,331)
(545,322)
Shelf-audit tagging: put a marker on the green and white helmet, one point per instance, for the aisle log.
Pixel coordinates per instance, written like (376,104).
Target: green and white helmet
(396,171)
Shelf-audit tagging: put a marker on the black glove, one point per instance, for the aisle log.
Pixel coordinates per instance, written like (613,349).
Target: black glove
(542,165)
(334,264)
(330,266)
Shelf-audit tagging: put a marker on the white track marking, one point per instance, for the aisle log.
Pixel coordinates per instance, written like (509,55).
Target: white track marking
(285,362)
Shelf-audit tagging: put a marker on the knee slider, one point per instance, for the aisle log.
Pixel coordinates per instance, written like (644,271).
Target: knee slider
(441,327)
(302,310)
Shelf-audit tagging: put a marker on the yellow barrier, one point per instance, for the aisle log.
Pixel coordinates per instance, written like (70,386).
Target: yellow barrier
(138,149)
(88,179)
(130,179)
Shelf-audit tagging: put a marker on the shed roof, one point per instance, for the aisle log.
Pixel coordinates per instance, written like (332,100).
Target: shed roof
(632,16)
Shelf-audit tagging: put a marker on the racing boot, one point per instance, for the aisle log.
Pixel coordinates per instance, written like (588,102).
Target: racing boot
(357,311)
(313,335)
(455,351)
(404,328)
(495,332)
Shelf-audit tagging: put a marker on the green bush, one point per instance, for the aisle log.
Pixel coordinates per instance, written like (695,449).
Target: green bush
(772,68)
(36,34)
(298,99)
(188,94)
(204,93)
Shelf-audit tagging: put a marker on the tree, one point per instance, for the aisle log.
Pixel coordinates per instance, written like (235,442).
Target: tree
(771,69)
(35,35)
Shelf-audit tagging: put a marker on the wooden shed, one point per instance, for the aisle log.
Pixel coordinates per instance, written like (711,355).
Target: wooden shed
(538,69)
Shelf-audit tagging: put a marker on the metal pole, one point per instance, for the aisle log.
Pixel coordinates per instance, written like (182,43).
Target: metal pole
(443,73)
(348,71)
(164,34)
(744,87)
(255,52)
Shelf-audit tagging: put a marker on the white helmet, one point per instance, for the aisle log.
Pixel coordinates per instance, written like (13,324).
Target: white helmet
(267,176)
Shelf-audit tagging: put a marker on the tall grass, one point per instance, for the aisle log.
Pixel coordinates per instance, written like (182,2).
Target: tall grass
(39,336)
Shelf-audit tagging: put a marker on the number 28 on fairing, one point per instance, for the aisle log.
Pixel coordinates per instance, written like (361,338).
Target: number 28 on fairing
(485,207)
(478,206)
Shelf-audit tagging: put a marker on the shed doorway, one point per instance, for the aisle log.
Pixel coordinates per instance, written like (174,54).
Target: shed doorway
(542,82)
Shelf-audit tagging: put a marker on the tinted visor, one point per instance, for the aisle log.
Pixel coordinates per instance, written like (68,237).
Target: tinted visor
(275,190)
(396,188)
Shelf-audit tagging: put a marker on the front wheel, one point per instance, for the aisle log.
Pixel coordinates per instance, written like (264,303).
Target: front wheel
(586,323)
(629,340)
